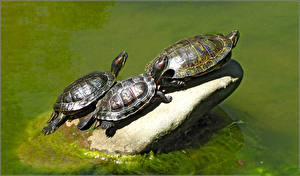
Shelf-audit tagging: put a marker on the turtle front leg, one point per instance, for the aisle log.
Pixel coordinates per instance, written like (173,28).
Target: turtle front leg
(163,97)
(177,83)
(54,124)
(53,116)
(172,83)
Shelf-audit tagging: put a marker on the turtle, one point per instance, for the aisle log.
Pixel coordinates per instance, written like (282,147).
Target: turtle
(79,98)
(127,98)
(195,56)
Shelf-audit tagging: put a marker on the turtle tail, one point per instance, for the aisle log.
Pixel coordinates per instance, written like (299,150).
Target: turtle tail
(87,123)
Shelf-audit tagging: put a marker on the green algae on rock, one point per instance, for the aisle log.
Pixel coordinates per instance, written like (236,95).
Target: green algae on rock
(63,152)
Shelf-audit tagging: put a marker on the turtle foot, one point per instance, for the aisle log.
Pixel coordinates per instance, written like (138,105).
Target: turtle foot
(179,83)
(109,126)
(49,129)
(163,97)
(168,98)
(110,132)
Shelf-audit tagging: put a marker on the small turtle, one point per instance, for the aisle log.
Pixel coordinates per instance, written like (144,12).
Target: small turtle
(127,97)
(79,98)
(195,56)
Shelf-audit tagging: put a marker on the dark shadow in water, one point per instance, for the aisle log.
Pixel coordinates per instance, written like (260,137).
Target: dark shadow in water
(226,70)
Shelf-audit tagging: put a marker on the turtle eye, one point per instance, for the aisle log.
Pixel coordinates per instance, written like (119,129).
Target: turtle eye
(160,64)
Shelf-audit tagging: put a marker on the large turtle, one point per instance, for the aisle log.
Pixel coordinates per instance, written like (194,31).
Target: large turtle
(79,98)
(195,56)
(128,97)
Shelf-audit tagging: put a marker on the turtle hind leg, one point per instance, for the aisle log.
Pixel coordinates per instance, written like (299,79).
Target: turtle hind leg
(55,123)
(86,123)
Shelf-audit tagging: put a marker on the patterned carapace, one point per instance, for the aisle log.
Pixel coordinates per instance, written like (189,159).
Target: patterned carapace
(126,97)
(197,55)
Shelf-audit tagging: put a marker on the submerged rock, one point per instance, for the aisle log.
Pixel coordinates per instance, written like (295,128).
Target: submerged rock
(163,126)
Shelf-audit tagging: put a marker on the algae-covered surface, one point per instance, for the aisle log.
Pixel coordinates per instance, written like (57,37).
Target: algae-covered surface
(47,45)
(67,151)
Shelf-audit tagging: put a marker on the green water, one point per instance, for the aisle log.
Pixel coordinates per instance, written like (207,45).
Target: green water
(47,45)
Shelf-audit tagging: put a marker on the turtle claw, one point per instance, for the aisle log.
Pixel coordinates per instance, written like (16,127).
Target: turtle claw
(178,83)
(182,83)
(55,121)
(173,83)
(49,129)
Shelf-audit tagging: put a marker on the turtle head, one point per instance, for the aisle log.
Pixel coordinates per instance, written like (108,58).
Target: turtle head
(234,37)
(158,68)
(118,63)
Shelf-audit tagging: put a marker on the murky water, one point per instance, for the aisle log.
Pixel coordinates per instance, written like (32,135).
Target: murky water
(47,45)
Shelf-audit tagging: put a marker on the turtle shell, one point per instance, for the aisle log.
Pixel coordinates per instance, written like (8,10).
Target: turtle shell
(84,91)
(126,98)
(195,55)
